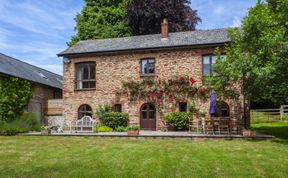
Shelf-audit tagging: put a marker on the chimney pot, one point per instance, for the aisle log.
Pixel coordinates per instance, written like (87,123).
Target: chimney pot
(164,28)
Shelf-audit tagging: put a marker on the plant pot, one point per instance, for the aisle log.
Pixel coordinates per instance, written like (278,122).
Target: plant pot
(46,132)
(249,133)
(133,132)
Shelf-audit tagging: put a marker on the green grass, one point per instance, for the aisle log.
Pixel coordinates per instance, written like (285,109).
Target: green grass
(278,129)
(33,156)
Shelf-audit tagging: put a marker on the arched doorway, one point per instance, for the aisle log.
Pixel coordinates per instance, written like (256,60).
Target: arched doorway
(148,117)
(223,109)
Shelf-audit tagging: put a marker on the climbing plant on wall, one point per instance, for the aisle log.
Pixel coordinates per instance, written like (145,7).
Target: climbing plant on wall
(162,92)
(15,94)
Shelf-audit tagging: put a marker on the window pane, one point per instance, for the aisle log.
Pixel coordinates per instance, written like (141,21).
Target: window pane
(79,69)
(117,108)
(151,115)
(151,66)
(214,58)
(144,107)
(92,71)
(92,84)
(85,84)
(86,72)
(144,66)
(206,65)
(144,115)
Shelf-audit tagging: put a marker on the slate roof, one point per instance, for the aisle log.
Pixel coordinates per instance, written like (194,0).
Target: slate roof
(146,42)
(16,68)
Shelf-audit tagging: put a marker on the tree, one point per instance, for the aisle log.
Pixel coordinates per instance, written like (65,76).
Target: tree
(15,94)
(101,19)
(145,16)
(256,59)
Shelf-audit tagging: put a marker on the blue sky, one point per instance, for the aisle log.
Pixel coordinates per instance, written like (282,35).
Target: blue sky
(36,30)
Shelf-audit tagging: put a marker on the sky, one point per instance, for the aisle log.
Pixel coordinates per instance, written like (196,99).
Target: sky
(34,31)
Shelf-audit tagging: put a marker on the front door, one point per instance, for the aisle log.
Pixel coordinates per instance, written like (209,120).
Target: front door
(148,117)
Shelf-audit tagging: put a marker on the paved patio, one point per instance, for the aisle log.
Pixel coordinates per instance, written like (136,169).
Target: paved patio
(157,134)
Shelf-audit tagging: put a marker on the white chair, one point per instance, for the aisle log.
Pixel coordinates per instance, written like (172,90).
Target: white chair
(84,123)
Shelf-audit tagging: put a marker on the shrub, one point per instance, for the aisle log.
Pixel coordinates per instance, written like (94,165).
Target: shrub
(134,127)
(31,119)
(121,129)
(102,110)
(104,128)
(115,119)
(178,120)
(13,128)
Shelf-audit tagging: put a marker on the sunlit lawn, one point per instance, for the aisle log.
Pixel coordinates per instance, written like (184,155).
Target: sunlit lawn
(278,129)
(31,156)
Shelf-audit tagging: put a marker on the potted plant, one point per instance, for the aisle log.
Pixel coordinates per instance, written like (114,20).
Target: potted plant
(248,133)
(45,130)
(133,129)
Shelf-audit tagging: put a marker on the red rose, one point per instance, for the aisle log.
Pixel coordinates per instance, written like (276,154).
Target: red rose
(192,80)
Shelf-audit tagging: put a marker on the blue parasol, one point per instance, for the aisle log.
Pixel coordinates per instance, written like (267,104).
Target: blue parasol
(213,111)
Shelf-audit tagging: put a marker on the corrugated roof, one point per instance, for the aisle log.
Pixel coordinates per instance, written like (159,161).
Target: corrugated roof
(144,42)
(16,68)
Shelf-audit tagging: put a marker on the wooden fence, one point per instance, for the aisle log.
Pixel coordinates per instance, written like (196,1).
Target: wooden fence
(269,115)
(54,107)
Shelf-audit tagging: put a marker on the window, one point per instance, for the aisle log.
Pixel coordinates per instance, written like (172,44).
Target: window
(84,110)
(85,75)
(183,107)
(148,111)
(147,66)
(117,108)
(209,64)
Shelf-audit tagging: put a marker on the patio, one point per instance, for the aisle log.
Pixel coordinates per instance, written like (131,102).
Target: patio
(157,135)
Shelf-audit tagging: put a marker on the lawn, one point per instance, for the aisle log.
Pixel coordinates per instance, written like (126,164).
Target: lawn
(278,129)
(33,156)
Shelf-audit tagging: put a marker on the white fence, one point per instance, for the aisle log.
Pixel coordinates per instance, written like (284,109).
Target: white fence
(262,115)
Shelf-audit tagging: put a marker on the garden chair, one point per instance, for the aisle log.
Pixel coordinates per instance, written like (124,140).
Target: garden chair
(224,125)
(85,123)
(195,124)
(208,126)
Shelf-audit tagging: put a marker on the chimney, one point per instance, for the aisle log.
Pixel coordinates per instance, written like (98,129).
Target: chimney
(164,28)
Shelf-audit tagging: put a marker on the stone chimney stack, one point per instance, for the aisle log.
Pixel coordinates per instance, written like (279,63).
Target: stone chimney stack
(164,28)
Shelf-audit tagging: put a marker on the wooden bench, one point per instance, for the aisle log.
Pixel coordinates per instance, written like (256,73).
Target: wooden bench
(85,123)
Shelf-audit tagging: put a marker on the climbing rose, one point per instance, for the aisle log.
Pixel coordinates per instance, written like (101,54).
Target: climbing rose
(192,80)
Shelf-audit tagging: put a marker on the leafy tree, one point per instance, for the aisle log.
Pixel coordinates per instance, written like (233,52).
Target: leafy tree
(256,59)
(101,19)
(145,16)
(15,94)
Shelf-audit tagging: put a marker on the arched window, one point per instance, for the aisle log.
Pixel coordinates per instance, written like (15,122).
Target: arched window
(223,109)
(84,110)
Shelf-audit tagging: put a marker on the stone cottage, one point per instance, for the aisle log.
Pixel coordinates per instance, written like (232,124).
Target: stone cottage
(95,69)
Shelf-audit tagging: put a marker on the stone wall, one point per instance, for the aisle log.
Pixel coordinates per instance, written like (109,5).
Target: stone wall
(112,69)
(38,102)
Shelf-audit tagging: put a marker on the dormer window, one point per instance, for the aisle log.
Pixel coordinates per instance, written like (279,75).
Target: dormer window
(147,66)
(85,75)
